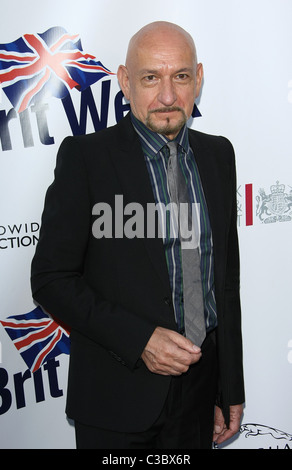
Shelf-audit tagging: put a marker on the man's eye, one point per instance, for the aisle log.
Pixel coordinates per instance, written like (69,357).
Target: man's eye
(150,78)
(182,76)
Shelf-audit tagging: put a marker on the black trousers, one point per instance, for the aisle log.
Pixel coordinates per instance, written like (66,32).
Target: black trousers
(185,422)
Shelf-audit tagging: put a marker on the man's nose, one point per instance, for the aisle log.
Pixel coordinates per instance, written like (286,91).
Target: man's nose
(167,94)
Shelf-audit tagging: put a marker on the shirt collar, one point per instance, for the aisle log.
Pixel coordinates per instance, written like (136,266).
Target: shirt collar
(153,142)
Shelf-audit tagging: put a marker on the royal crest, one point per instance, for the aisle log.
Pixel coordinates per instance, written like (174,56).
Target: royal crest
(276,206)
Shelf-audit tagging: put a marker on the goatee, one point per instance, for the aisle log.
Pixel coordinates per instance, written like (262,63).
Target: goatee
(166,128)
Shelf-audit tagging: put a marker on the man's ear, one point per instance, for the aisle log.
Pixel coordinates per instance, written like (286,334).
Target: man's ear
(123,78)
(199,78)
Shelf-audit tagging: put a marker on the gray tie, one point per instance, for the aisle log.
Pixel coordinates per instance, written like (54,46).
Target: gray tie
(192,285)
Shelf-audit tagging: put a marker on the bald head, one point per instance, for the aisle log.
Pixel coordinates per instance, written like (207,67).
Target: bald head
(156,34)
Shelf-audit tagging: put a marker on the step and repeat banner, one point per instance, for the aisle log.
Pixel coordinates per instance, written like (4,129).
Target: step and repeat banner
(245,47)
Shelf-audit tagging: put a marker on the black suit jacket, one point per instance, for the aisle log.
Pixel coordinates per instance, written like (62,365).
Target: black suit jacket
(113,292)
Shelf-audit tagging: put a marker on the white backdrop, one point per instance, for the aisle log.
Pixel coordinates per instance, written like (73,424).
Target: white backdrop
(245,47)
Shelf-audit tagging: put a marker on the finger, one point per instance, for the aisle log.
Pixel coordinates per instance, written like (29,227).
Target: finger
(178,357)
(165,369)
(185,343)
(169,353)
(225,433)
(169,345)
(165,364)
(224,436)
(175,337)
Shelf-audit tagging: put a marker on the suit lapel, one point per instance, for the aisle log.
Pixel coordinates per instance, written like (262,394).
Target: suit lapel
(208,178)
(214,177)
(132,172)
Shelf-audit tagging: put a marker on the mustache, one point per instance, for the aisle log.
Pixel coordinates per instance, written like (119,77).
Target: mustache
(166,109)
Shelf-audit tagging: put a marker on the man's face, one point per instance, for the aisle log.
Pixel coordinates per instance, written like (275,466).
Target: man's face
(162,81)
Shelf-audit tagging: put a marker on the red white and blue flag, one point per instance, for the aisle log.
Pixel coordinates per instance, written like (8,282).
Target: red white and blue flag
(37,337)
(46,64)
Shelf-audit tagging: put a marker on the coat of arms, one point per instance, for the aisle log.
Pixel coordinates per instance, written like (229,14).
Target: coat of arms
(276,206)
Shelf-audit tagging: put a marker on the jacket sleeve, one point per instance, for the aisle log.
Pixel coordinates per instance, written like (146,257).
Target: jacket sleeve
(233,367)
(57,272)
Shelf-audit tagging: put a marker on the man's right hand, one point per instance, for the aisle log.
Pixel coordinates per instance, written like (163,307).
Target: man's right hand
(169,353)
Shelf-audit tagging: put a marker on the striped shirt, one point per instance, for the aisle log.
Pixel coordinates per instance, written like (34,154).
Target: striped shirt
(156,160)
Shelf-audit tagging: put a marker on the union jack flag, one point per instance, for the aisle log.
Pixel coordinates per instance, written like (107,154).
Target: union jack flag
(50,63)
(37,337)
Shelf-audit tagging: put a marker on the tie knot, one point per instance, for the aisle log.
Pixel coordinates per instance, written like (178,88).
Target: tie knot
(172,148)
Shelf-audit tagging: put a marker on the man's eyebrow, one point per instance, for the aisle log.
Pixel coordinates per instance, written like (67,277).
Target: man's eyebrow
(148,72)
(185,69)
(157,71)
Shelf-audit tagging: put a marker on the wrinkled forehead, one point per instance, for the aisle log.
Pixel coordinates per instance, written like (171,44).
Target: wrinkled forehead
(161,43)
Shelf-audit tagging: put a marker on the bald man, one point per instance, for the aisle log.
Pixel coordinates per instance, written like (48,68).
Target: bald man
(136,381)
